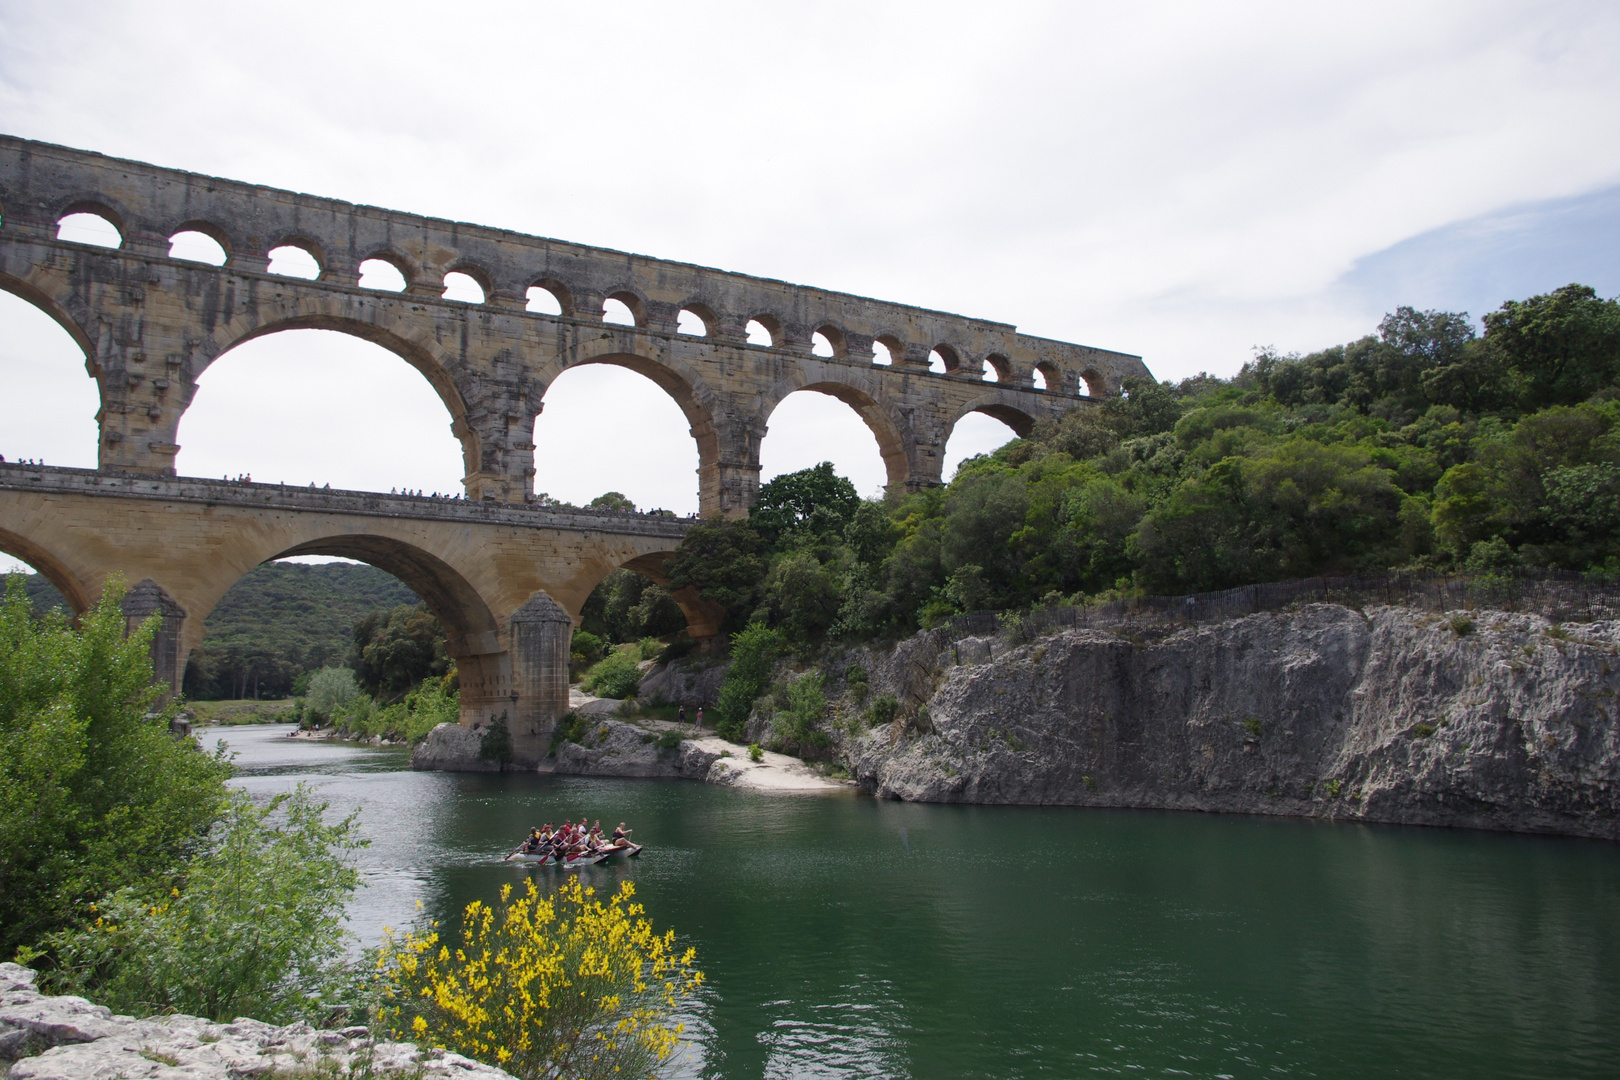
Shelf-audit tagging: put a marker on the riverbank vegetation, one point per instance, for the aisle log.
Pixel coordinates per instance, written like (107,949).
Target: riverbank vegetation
(95,794)
(135,876)
(1424,445)
(334,700)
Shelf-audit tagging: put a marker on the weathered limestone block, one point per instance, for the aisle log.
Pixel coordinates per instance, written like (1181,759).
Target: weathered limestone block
(683,682)
(451,748)
(615,748)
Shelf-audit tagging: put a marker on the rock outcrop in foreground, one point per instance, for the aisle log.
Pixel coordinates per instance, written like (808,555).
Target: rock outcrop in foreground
(1485,719)
(68,1038)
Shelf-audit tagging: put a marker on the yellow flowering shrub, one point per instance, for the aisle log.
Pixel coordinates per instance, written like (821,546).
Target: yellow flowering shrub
(563,985)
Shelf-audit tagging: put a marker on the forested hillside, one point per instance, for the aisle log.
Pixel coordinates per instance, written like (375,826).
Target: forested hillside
(1423,445)
(283,619)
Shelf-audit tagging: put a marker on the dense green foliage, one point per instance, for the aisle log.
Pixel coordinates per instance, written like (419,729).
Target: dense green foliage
(334,700)
(625,606)
(797,724)
(754,650)
(1424,445)
(616,675)
(282,620)
(257,929)
(95,794)
(392,651)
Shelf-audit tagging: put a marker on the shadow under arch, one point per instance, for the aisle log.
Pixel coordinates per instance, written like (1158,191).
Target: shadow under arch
(470,626)
(416,355)
(703,617)
(994,407)
(891,441)
(54,570)
(684,386)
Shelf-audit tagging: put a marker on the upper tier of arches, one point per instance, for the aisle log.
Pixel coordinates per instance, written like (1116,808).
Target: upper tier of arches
(148,208)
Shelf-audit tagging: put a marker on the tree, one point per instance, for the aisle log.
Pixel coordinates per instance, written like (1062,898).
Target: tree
(95,794)
(753,655)
(329,691)
(816,500)
(803,595)
(612,500)
(395,650)
(1565,344)
(627,606)
(725,560)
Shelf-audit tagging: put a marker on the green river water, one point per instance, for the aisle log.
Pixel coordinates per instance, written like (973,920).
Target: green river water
(846,937)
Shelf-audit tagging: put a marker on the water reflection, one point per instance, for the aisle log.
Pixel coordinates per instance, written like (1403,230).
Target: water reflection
(845,937)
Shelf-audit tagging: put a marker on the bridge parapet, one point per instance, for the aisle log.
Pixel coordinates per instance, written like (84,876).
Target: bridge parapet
(248,494)
(150,324)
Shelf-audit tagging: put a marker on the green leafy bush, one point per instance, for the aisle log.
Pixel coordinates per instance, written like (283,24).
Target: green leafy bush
(753,654)
(755,752)
(424,708)
(253,926)
(882,711)
(797,726)
(95,795)
(616,676)
(495,744)
(586,649)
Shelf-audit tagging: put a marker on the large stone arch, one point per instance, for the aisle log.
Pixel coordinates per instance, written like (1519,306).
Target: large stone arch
(860,392)
(419,354)
(997,406)
(703,410)
(58,313)
(473,632)
(467,618)
(703,617)
(55,570)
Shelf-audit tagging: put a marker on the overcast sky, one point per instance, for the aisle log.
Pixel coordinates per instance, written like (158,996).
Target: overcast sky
(1180,180)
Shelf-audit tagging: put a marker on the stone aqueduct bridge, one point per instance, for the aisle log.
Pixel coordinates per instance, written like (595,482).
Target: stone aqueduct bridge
(493,568)
(504,579)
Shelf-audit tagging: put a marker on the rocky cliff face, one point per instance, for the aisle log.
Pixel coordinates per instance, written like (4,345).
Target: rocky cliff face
(1486,720)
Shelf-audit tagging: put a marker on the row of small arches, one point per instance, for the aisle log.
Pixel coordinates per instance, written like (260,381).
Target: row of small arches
(624,309)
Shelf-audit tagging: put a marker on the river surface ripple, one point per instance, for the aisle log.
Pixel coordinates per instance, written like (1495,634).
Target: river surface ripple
(847,937)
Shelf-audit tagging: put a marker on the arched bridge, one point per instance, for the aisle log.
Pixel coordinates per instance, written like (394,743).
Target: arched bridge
(506,581)
(505,576)
(151,324)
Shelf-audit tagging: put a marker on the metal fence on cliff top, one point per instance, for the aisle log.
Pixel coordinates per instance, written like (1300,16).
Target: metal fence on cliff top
(1557,594)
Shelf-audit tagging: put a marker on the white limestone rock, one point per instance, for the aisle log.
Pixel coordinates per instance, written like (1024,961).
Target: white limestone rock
(451,748)
(69,1038)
